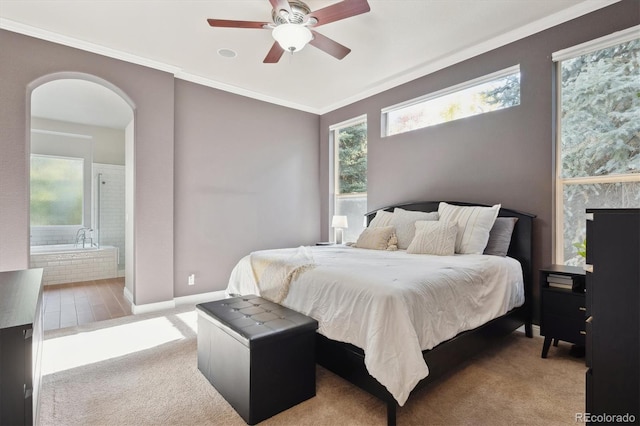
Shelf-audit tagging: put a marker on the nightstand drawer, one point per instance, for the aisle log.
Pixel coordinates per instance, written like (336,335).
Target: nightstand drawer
(565,304)
(563,328)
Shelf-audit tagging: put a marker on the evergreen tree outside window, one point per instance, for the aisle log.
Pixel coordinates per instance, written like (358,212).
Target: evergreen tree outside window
(349,142)
(598,146)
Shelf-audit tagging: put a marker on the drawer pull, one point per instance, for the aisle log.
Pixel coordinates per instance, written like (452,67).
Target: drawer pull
(582,308)
(588,268)
(583,332)
(588,320)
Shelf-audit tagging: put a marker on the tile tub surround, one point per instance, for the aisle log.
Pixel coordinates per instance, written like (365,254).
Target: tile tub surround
(66,264)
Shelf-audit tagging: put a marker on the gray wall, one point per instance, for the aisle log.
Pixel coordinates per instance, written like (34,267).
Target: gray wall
(246,178)
(500,157)
(246,172)
(23,60)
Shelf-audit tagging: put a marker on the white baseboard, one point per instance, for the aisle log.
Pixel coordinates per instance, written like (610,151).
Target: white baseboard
(152,307)
(170,304)
(200,298)
(128,296)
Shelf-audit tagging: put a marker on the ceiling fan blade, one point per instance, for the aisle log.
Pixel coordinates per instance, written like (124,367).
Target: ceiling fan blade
(228,23)
(279,5)
(338,11)
(274,55)
(329,46)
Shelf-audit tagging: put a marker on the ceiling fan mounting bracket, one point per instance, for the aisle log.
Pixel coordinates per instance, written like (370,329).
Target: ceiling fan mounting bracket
(299,11)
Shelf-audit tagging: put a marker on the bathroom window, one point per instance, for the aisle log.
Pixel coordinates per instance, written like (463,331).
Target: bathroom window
(57,187)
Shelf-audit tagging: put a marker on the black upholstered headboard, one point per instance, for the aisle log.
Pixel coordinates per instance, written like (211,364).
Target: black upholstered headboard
(521,247)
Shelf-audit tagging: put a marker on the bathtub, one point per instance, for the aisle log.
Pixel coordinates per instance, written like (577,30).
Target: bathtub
(66,263)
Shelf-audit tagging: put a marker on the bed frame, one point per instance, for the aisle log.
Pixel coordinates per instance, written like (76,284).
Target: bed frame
(347,360)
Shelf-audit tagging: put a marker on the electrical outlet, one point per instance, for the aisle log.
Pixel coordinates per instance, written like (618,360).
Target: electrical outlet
(192,279)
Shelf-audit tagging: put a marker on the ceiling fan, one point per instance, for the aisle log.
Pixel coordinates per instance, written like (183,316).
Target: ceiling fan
(293,23)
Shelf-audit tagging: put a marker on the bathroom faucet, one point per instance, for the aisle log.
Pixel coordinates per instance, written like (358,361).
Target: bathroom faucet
(82,234)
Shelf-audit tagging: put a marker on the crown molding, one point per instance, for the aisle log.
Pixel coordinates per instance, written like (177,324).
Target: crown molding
(429,67)
(421,70)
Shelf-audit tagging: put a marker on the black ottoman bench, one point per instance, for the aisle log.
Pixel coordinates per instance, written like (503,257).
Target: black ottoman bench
(259,355)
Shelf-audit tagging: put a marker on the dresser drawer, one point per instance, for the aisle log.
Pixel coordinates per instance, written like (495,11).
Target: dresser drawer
(564,303)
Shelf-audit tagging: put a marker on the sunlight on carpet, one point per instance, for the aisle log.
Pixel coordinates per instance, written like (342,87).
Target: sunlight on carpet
(66,352)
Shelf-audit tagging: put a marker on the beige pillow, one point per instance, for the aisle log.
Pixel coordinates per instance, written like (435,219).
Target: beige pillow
(404,221)
(434,237)
(382,218)
(381,238)
(474,224)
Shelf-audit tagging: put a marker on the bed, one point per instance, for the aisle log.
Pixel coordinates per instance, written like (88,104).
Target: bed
(390,347)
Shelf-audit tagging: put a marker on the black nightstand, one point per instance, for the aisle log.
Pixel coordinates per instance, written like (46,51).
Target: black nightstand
(563,309)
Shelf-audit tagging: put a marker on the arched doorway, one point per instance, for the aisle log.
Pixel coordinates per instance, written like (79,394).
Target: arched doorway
(80,146)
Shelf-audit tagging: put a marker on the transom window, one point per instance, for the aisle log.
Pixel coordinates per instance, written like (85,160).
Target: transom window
(598,148)
(485,94)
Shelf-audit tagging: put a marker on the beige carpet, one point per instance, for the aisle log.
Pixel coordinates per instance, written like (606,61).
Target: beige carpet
(142,371)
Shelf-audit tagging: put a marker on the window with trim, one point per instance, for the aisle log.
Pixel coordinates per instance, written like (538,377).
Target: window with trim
(57,190)
(488,93)
(598,142)
(349,145)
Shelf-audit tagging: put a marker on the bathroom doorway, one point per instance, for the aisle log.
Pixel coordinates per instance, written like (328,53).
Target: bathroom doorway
(81,187)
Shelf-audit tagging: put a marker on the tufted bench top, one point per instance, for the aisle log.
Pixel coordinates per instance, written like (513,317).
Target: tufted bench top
(253,320)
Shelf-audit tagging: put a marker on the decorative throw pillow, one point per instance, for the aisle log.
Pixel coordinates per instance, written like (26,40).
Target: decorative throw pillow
(434,237)
(500,236)
(382,218)
(404,222)
(381,238)
(474,224)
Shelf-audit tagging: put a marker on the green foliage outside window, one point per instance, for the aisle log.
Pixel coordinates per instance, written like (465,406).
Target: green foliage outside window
(601,112)
(600,137)
(352,159)
(56,191)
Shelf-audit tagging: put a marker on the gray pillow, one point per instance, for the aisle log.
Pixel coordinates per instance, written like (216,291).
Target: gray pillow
(500,236)
(405,223)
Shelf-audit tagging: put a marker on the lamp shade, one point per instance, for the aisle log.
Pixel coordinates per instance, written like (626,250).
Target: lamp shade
(339,222)
(292,37)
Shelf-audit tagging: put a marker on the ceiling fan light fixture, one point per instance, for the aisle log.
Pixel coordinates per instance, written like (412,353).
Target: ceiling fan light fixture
(292,37)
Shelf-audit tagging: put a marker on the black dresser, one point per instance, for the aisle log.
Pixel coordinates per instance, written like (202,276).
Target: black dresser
(613,322)
(20,345)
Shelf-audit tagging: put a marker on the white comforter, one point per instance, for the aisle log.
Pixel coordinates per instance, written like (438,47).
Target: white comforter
(393,305)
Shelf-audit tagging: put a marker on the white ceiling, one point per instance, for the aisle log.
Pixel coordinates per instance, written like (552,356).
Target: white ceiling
(397,41)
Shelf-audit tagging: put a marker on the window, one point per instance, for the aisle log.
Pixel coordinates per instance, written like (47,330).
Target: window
(57,186)
(349,142)
(598,149)
(485,94)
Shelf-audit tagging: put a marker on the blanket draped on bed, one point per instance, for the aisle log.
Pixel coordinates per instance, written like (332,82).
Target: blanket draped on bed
(392,305)
(274,270)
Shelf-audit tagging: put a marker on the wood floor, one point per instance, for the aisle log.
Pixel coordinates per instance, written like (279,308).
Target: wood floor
(67,305)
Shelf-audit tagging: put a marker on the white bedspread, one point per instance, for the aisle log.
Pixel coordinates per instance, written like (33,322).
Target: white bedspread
(393,305)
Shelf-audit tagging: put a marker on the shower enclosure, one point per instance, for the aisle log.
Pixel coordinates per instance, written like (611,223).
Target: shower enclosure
(109,209)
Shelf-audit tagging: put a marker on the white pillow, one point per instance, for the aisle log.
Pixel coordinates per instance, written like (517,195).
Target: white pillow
(380,238)
(404,222)
(382,218)
(474,224)
(434,237)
